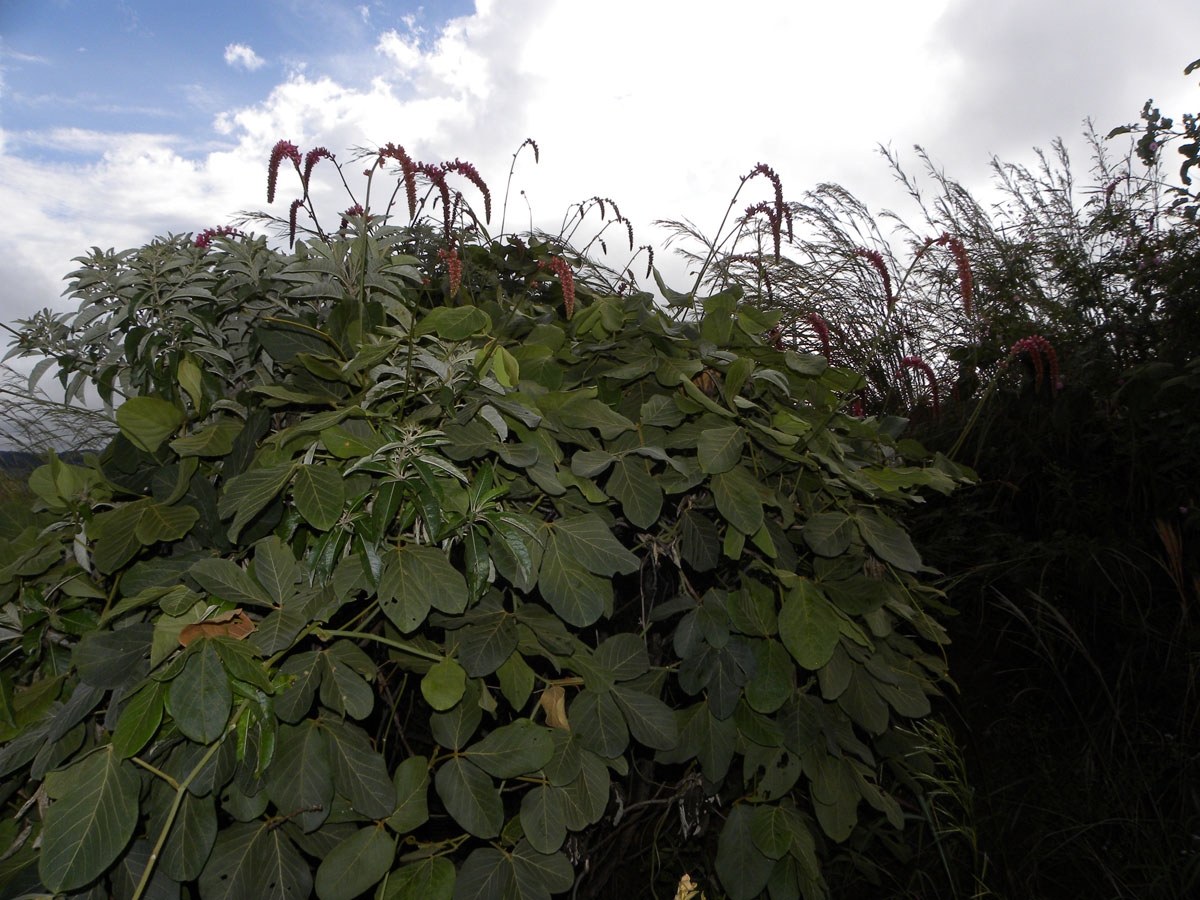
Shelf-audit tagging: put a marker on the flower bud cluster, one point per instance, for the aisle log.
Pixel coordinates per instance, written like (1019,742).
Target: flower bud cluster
(454,264)
(915,362)
(204,238)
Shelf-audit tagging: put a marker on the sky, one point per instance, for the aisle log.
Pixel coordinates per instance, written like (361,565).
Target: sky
(121,120)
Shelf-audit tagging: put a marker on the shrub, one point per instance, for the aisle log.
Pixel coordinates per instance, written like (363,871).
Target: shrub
(424,562)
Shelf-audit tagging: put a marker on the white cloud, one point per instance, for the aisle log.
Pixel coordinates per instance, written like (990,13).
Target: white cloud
(244,56)
(661,106)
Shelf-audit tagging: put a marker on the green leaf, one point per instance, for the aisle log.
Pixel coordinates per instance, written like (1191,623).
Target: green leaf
(258,860)
(320,494)
(245,495)
(90,823)
(809,625)
(541,874)
(416,577)
(411,781)
(890,542)
(720,449)
(355,864)
(650,720)
(578,597)
(512,750)
(739,498)
(597,723)
(640,496)
(429,879)
(773,680)
(455,323)
(624,656)
(588,412)
(139,720)
(148,421)
(343,689)
(742,867)
(227,580)
(487,874)
(516,680)
(276,569)
(699,541)
(587,539)
(471,797)
(444,684)
(301,777)
(213,440)
(359,772)
(544,818)
(110,659)
(201,696)
(590,463)
(828,534)
(164,523)
(191,836)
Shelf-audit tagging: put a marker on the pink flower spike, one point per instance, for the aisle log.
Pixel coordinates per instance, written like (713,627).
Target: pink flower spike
(875,258)
(281,150)
(204,238)
(822,331)
(915,362)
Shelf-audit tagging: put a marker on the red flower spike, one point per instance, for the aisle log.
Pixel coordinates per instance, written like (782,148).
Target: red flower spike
(310,160)
(965,281)
(875,258)
(204,238)
(650,254)
(408,170)
(437,175)
(532,143)
(296,204)
(560,268)
(469,172)
(1041,353)
(454,264)
(822,331)
(282,150)
(915,362)
(355,210)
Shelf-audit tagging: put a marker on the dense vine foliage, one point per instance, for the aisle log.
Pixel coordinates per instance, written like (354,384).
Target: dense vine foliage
(422,565)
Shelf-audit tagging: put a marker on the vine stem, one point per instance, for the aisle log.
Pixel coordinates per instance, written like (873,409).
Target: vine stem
(324,633)
(174,810)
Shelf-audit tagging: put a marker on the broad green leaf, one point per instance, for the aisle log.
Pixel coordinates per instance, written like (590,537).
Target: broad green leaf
(471,797)
(590,463)
(454,323)
(720,449)
(743,868)
(640,496)
(699,541)
(191,836)
(541,874)
(587,796)
(213,440)
(320,494)
(454,727)
(512,750)
(275,568)
(586,412)
(256,860)
(544,818)
(771,829)
(148,421)
(487,874)
(597,723)
(650,720)
(416,577)
(343,689)
(90,824)
(890,542)
(127,873)
(809,625)
(516,680)
(578,597)
(587,539)
(110,659)
(164,523)
(661,410)
(200,696)
(359,772)
(443,685)
(139,720)
(773,680)
(227,580)
(355,864)
(428,879)
(828,534)
(411,781)
(624,656)
(300,780)
(739,498)
(245,495)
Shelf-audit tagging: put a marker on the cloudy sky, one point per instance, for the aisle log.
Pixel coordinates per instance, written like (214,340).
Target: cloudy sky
(123,119)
